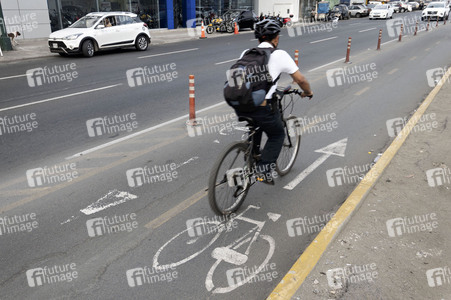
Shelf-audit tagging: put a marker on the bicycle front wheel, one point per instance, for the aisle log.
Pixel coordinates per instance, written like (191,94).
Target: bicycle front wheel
(230,179)
(290,147)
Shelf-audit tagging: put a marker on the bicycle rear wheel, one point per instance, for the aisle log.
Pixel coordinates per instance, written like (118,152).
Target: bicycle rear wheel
(230,179)
(290,148)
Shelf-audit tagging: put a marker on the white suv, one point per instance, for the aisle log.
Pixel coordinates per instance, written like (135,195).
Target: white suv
(435,10)
(101,30)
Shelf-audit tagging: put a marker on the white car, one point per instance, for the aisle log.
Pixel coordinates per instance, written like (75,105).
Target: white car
(382,11)
(98,31)
(435,10)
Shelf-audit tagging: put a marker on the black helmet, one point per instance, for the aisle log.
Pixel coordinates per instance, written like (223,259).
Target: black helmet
(265,28)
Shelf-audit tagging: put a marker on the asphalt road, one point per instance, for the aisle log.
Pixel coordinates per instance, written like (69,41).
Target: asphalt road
(153,217)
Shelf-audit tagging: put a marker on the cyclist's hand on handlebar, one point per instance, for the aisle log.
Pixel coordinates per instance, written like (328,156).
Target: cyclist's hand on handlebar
(304,94)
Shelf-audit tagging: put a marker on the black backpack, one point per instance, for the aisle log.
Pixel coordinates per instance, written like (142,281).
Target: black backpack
(248,80)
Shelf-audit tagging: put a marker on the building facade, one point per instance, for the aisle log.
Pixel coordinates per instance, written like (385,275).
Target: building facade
(38,18)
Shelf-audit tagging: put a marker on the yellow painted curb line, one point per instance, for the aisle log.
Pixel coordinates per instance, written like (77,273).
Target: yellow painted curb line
(291,282)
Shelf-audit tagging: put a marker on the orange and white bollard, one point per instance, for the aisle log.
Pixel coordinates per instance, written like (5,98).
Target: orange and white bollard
(379,40)
(192,109)
(427,27)
(416,28)
(202,34)
(348,51)
(296,57)
(436,25)
(236,29)
(400,33)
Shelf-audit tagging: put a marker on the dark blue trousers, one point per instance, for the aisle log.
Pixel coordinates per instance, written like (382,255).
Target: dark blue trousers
(271,124)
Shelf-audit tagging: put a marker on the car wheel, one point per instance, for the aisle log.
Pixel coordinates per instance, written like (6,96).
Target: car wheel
(141,43)
(88,48)
(357,15)
(209,29)
(230,29)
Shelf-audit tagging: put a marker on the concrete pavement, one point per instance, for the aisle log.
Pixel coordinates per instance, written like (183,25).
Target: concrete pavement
(395,244)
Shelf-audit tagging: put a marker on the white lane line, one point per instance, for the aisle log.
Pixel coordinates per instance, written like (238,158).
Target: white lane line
(167,53)
(184,117)
(317,68)
(389,42)
(9,77)
(367,29)
(318,41)
(60,97)
(112,198)
(227,61)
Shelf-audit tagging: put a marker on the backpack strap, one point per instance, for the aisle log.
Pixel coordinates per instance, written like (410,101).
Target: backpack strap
(268,52)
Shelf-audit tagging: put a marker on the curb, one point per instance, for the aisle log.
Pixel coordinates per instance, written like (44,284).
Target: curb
(294,278)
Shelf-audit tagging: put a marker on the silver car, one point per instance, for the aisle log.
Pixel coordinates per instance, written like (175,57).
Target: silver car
(358,11)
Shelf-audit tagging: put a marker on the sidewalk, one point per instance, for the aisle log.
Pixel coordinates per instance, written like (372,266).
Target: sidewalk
(35,48)
(397,244)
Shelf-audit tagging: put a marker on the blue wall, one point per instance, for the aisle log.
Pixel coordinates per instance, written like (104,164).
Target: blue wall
(189,11)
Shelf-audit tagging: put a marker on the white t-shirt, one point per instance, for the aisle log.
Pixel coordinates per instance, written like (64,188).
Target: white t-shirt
(279,62)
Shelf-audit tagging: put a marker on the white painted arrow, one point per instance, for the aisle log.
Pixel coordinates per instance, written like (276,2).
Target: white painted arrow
(337,148)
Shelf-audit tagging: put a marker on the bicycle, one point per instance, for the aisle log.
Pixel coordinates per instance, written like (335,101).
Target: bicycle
(236,179)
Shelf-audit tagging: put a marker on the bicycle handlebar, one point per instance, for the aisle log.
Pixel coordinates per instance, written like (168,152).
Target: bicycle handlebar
(288,91)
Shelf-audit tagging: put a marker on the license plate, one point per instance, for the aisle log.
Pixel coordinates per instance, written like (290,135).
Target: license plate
(55,45)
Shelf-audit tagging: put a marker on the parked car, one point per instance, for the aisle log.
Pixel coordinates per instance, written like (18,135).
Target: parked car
(98,31)
(404,6)
(358,11)
(244,18)
(382,11)
(341,11)
(436,10)
(396,7)
(370,7)
(415,5)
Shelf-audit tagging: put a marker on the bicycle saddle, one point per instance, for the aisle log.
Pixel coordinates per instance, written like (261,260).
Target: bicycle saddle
(250,121)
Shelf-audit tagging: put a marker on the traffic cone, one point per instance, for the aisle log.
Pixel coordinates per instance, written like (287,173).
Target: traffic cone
(236,29)
(202,35)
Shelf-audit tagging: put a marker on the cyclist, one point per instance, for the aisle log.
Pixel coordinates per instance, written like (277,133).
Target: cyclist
(267,33)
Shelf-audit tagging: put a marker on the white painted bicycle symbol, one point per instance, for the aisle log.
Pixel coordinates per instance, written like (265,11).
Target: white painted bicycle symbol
(228,254)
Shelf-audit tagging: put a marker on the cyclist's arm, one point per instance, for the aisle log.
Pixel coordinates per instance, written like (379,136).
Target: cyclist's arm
(303,83)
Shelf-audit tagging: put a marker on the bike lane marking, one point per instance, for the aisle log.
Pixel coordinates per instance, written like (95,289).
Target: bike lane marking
(141,132)
(15,76)
(393,71)
(364,30)
(294,278)
(61,97)
(362,91)
(337,148)
(227,61)
(37,194)
(323,40)
(167,53)
(155,223)
(328,64)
